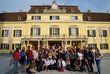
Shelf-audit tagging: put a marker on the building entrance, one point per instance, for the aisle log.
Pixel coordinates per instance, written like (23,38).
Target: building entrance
(56,43)
(33,43)
(76,43)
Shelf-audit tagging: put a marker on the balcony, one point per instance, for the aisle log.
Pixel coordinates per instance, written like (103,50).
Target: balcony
(54,37)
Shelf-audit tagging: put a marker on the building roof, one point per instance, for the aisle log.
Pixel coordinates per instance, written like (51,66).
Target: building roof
(96,16)
(87,16)
(13,16)
(69,9)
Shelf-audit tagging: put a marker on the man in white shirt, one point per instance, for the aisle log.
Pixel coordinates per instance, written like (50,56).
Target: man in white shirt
(35,54)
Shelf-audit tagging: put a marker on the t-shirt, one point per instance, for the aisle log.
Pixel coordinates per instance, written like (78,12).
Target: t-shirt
(35,54)
(16,56)
(29,54)
(63,63)
(22,54)
(80,55)
(52,61)
(47,62)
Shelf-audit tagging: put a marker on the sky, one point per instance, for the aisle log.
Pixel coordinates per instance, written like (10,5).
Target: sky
(84,5)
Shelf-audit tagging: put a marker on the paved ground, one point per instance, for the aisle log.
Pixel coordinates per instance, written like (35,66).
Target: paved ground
(6,69)
(4,64)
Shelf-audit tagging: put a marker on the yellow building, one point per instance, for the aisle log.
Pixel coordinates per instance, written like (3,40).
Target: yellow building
(55,24)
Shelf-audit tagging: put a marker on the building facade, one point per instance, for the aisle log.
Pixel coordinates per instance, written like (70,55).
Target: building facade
(55,24)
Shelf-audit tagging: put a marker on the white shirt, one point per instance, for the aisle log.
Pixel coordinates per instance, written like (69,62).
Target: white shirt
(35,54)
(52,61)
(63,63)
(80,55)
(47,62)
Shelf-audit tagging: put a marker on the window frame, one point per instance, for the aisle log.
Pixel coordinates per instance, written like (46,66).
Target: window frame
(5,46)
(36,18)
(5,33)
(35,31)
(54,17)
(103,33)
(104,46)
(91,33)
(75,33)
(16,45)
(17,33)
(92,45)
(54,31)
(74,18)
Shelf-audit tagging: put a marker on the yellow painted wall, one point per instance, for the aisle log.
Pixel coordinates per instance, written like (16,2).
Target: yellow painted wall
(64,23)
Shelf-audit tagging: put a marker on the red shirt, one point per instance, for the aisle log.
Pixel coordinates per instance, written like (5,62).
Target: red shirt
(16,56)
(29,54)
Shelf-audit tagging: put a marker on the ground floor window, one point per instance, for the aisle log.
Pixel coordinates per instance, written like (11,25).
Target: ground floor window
(93,46)
(103,46)
(4,46)
(14,46)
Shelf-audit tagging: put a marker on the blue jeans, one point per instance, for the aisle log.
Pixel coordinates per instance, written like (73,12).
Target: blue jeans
(29,60)
(98,61)
(15,66)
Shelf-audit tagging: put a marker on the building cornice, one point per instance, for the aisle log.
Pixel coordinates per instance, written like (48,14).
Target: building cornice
(12,22)
(23,22)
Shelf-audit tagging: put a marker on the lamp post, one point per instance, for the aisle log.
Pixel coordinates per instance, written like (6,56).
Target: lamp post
(10,38)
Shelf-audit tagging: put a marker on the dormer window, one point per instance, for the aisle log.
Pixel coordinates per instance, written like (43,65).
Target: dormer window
(36,10)
(88,18)
(64,10)
(54,5)
(19,18)
(72,10)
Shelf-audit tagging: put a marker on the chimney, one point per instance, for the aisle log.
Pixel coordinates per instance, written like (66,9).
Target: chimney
(88,11)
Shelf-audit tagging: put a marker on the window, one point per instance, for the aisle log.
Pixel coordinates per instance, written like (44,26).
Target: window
(72,10)
(17,33)
(103,33)
(5,33)
(104,46)
(89,18)
(35,31)
(73,18)
(93,46)
(109,29)
(4,46)
(36,10)
(91,33)
(14,46)
(19,18)
(36,17)
(73,31)
(54,31)
(54,18)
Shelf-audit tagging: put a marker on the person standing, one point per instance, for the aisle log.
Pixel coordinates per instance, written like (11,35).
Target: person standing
(98,57)
(29,55)
(90,57)
(16,57)
(22,59)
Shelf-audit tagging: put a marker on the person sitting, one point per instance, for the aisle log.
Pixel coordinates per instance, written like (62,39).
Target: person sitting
(47,64)
(31,68)
(40,65)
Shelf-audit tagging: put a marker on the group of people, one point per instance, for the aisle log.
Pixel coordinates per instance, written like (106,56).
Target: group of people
(56,58)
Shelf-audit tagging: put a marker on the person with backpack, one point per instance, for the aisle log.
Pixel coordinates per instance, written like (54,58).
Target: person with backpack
(16,57)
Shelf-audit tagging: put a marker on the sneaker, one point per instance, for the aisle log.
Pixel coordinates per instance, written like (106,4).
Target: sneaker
(47,70)
(33,70)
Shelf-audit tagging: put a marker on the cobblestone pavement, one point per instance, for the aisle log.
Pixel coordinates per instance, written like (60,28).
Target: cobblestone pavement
(6,69)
